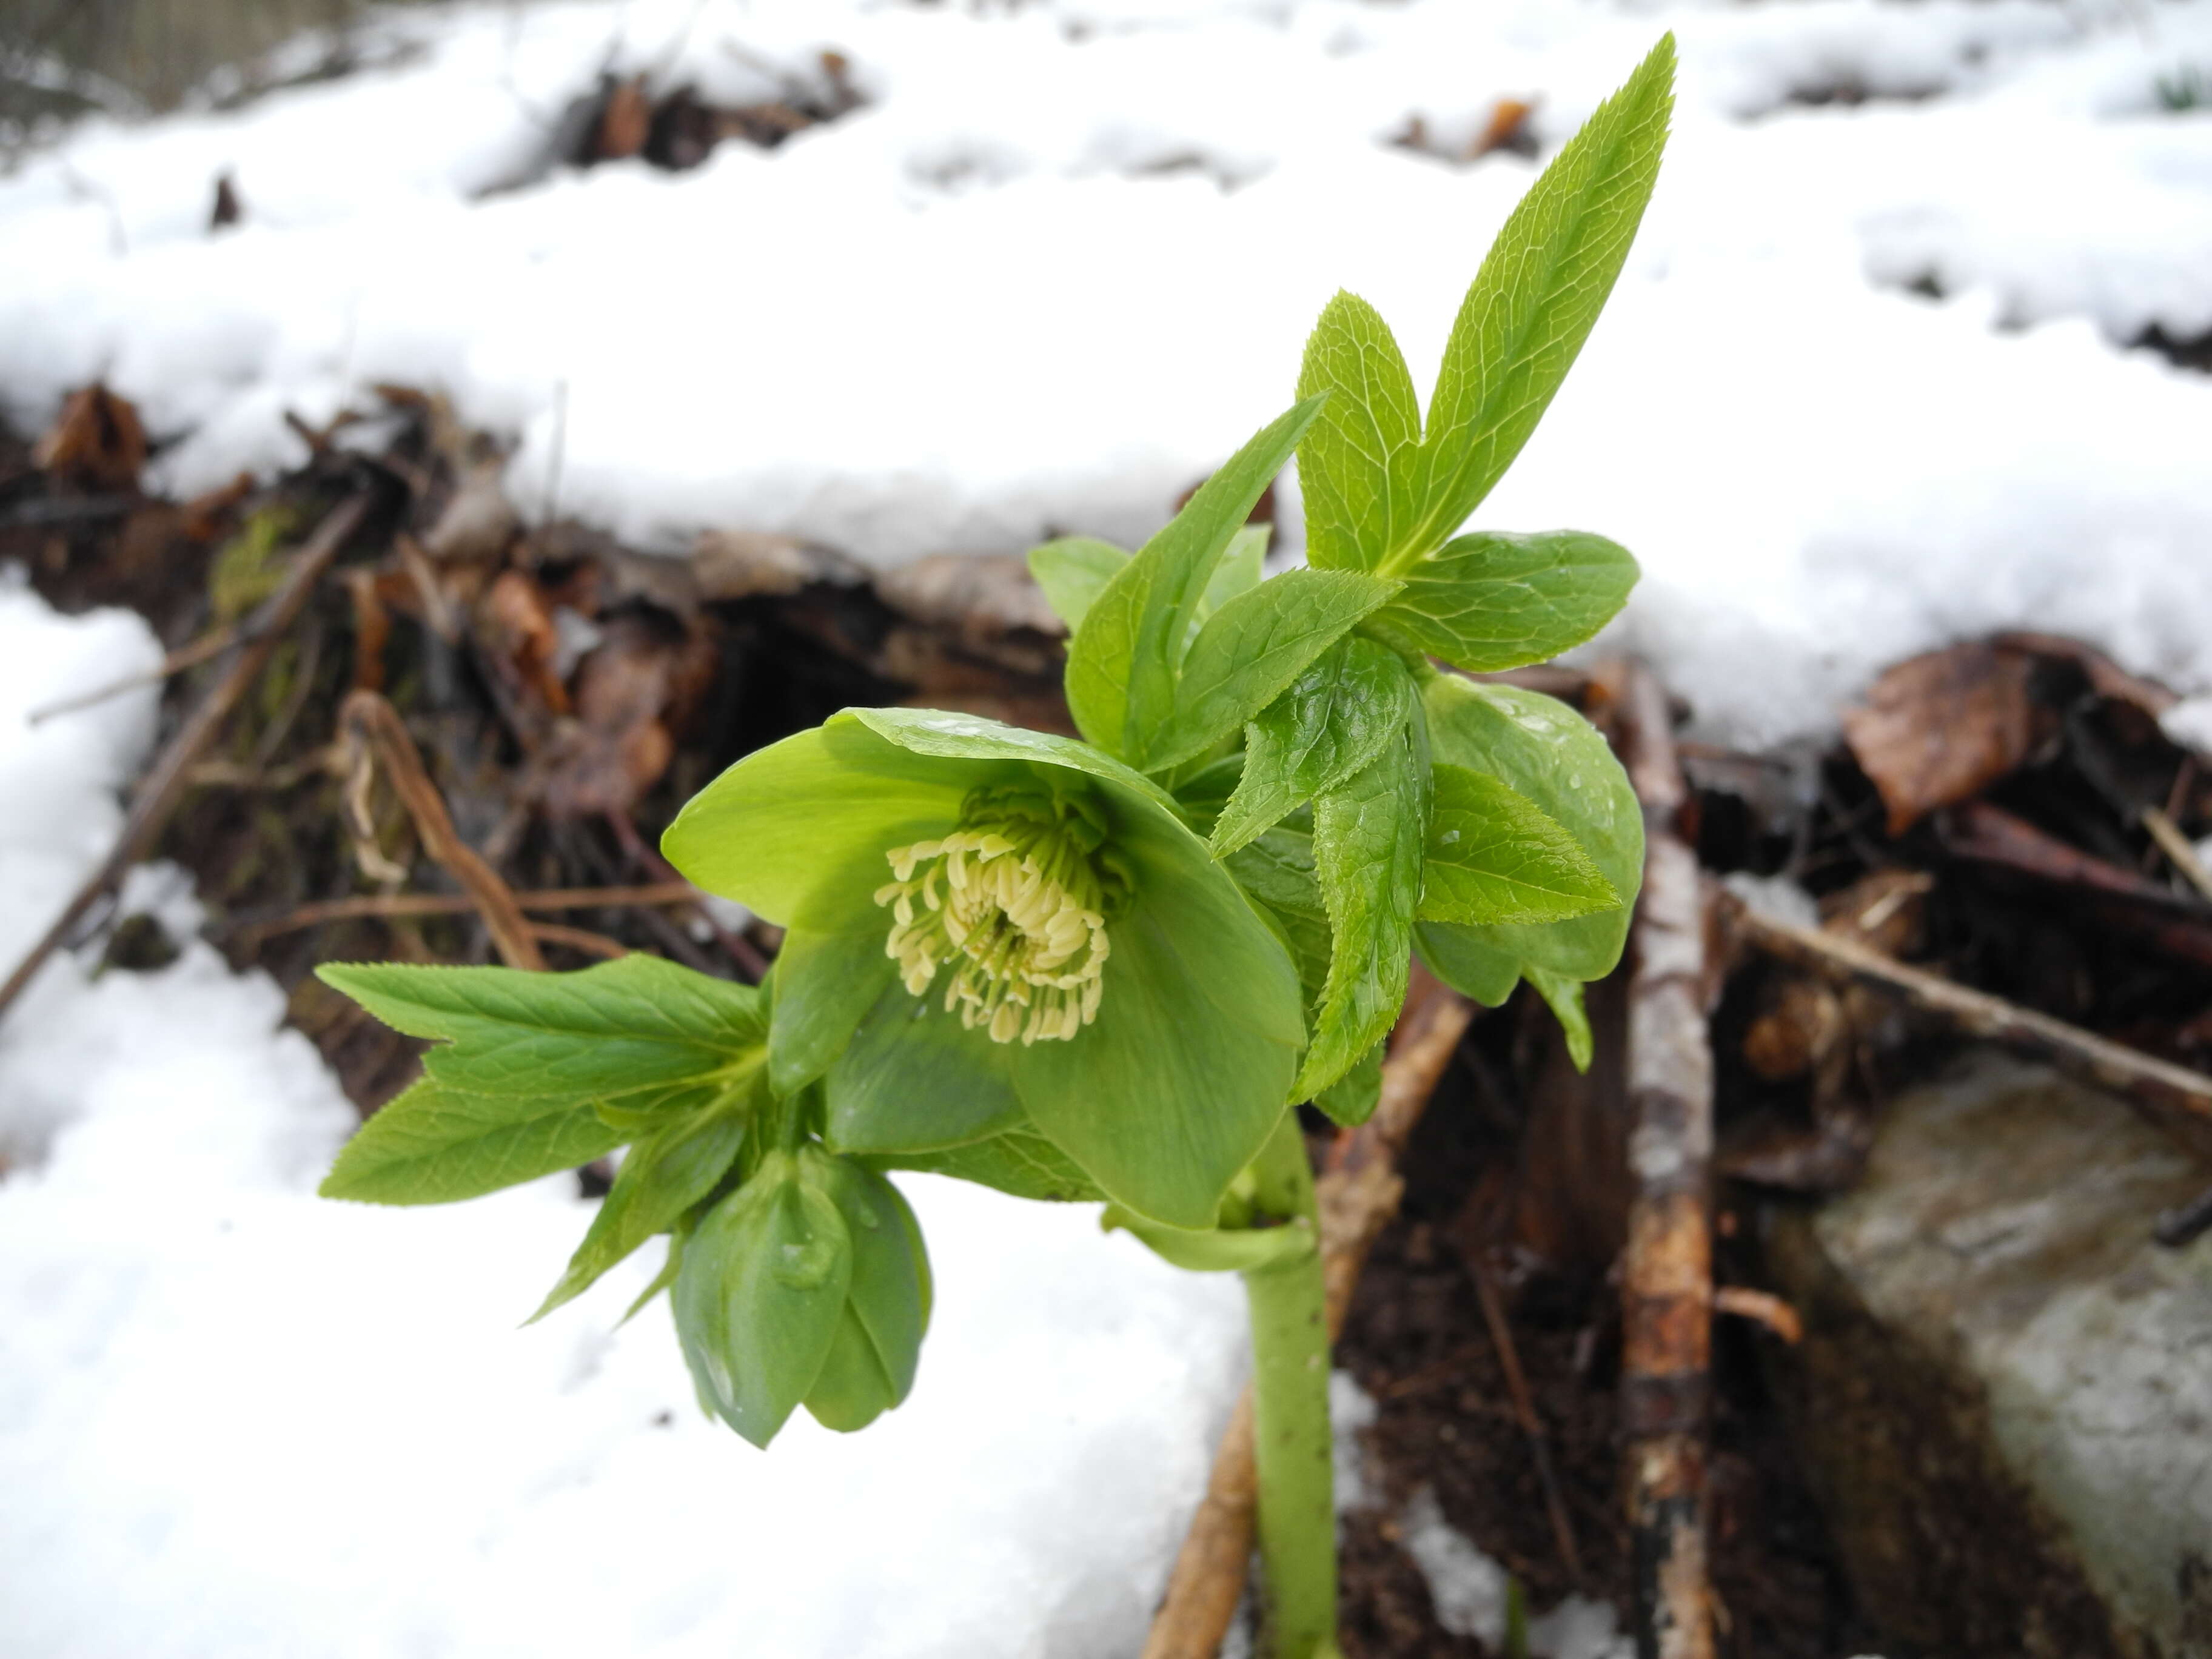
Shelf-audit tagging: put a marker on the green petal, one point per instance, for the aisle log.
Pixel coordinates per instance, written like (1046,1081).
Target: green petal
(771,830)
(1180,1079)
(824,984)
(970,737)
(915,1079)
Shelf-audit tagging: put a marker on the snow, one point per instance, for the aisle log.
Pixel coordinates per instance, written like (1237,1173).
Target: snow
(1059,264)
(1062,261)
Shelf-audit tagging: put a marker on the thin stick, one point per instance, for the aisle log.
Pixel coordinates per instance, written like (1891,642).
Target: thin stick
(1666,1277)
(249,934)
(2177,1099)
(369,720)
(2175,845)
(1524,1413)
(579,938)
(1357,1194)
(165,783)
(1761,1308)
(213,643)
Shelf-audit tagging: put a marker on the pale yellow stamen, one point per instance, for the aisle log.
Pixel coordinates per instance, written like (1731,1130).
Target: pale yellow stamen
(1020,920)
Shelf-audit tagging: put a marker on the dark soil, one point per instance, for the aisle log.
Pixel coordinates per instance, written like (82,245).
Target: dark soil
(1417,1342)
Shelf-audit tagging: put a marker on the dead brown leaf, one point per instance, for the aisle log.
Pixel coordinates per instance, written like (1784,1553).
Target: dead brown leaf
(639,682)
(1938,729)
(625,122)
(514,625)
(97,444)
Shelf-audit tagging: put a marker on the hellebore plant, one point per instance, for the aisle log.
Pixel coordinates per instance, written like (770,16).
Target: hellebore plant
(1108,969)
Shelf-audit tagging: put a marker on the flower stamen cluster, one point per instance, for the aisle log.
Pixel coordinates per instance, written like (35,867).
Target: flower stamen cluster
(1014,901)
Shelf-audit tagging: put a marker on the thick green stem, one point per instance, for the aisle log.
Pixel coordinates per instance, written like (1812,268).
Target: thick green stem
(1290,1406)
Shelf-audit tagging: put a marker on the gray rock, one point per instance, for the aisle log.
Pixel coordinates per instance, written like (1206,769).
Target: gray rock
(2005,1391)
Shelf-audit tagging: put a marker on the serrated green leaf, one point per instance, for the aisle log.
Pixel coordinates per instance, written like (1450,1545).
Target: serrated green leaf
(436,1146)
(1073,572)
(1122,662)
(1467,963)
(1367,852)
(1359,466)
(1351,1100)
(635,1023)
(1250,654)
(1334,719)
(1546,751)
(1494,856)
(661,1177)
(759,1295)
(1019,1162)
(1533,302)
(1240,571)
(1276,868)
(1200,795)
(1564,996)
(1493,601)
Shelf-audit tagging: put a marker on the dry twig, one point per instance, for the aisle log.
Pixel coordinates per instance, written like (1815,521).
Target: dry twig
(579,938)
(248,935)
(2177,1099)
(1524,1414)
(213,643)
(165,784)
(1357,1193)
(367,719)
(2176,846)
(1667,1267)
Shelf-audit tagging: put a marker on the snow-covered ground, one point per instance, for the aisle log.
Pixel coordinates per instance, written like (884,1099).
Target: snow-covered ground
(1063,262)
(1059,266)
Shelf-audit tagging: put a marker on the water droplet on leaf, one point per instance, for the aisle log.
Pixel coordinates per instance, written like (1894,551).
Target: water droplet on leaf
(805,1265)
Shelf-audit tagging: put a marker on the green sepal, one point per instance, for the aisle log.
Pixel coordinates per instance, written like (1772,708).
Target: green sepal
(1334,719)
(853,1388)
(760,1293)
(1216,1250)
(661,1177)
(1492,855)
(890,1289)
(434,1145)
(913,1079)
(1160,1100)
(1018,1162)
(1494,601)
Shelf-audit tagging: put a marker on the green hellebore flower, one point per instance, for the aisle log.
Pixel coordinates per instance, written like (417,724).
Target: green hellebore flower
(990,929)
